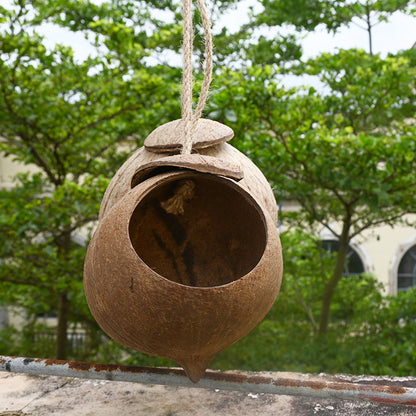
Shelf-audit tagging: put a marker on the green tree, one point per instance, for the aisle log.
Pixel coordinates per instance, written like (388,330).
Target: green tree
(345,153)
(376,336)
(346,157)
(69,118)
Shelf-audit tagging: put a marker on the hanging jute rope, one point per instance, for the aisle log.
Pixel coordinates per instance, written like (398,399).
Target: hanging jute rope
(188,116)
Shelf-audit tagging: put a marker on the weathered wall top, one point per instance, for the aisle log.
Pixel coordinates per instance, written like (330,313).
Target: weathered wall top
(41,395)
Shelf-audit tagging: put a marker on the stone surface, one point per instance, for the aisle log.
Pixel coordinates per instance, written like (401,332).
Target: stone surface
(51,396)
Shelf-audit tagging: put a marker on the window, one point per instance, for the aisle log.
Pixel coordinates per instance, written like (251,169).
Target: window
(406,276)
(354,265)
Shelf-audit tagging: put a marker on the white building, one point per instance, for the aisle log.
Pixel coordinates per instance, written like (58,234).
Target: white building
(387,253)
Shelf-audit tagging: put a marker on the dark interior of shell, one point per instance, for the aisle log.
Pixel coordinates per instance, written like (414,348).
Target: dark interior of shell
(198,230)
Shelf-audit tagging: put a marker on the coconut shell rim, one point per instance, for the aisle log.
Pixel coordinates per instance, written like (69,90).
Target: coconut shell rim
(170,175)
(192,162)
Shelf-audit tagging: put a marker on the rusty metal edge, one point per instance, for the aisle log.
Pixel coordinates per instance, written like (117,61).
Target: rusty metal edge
(293,386)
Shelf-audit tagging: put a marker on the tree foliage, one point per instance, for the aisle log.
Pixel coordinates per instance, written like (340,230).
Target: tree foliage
(70,118)
(345,154)
(363,337)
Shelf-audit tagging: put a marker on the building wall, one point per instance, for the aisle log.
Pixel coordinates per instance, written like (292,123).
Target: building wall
(4,317)
(385,247)
(8,169)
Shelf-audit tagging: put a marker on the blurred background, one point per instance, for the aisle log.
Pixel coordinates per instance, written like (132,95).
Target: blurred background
(321,96)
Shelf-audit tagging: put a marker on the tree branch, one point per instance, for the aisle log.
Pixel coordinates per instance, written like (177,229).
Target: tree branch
(370,224)
(305,306)
(24,282)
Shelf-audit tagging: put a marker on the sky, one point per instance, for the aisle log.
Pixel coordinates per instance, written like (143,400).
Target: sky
(388,37)
(399,33)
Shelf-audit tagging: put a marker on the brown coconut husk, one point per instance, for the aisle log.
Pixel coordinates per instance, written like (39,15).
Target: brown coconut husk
(183,284)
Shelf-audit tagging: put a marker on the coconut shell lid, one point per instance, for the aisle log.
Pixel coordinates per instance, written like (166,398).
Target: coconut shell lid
(169,137)
(195,162)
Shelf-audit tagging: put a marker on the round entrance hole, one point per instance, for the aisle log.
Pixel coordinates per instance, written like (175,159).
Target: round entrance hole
(198,230)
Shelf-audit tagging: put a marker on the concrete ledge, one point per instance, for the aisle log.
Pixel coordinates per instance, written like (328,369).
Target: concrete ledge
(39,395)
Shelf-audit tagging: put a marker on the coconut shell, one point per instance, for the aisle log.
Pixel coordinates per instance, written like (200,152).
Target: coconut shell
(182,283)
(186,258)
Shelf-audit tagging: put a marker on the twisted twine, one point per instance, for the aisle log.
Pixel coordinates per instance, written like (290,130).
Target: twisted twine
(188,116)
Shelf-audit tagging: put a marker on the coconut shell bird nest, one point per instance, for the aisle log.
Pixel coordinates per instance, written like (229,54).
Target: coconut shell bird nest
(186,257)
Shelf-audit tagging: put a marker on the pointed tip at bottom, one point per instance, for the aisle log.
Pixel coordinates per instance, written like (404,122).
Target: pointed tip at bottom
(195,367)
